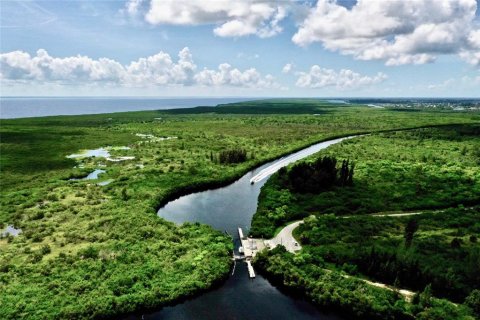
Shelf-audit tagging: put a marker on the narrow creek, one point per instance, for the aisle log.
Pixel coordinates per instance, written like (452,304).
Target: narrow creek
(226,209)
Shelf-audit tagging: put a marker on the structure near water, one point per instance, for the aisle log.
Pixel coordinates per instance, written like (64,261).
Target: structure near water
(249,248)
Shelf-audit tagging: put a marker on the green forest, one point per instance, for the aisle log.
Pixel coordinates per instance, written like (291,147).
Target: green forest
(89,250)
(394,171)
(442,250)
(410,219)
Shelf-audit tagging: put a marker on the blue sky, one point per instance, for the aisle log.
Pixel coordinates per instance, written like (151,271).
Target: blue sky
(241,48)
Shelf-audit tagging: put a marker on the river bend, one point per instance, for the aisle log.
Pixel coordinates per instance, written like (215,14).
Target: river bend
(226,209)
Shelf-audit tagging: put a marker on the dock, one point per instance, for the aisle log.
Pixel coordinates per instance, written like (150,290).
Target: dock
(249,248)
(251,272)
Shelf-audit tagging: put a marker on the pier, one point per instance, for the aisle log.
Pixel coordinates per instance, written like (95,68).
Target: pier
(249,248)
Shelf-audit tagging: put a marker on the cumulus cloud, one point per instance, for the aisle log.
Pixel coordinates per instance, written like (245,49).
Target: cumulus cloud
(156,70)
(232,18)
(318,77)
(160,69)
(19,65)
(472,56)
(226,75)
(396,31)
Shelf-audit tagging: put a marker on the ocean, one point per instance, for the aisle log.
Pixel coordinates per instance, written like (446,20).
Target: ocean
(25,107)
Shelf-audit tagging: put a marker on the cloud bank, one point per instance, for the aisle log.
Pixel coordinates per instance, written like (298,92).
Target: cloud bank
(344,79)
(232,18)
(396,31)
(156,70)
(226,75)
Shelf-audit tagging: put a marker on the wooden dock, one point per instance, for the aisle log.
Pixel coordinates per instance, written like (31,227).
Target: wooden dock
(251,272)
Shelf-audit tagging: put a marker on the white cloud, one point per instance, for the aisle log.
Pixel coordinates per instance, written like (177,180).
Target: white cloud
(287,68)
(318,77)
(396,31)
(160,69)
(156,70)
(133,6)
(472,53)
(19,65)
(232,18)
(226,75)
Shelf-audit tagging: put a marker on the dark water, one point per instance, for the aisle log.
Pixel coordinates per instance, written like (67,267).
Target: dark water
(242,298)
(226,209)
(24,107)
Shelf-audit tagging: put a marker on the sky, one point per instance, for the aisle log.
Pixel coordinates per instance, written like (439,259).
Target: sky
(195,48)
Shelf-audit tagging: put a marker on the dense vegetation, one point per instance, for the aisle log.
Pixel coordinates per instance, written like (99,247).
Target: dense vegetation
(232,156)
(88,250)
(316,176)
(436,252)
(351,297)
(443,251)
(403,170)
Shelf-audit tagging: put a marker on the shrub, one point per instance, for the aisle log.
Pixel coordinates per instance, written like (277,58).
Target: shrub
(45,249)
(89,253)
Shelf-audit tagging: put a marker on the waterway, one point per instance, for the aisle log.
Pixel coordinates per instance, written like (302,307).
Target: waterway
(226,209)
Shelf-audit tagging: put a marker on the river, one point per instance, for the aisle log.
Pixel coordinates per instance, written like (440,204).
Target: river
(226,209)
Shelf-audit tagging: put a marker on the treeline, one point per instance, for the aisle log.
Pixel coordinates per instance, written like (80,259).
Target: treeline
(317,176)
(230,156)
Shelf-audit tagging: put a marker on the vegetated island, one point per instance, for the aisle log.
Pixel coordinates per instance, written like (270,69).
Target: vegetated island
(90,248)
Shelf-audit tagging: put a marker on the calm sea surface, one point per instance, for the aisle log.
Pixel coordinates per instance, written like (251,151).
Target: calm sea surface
(23,107)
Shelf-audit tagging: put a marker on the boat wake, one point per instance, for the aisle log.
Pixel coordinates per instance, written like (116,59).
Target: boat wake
(283,162)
